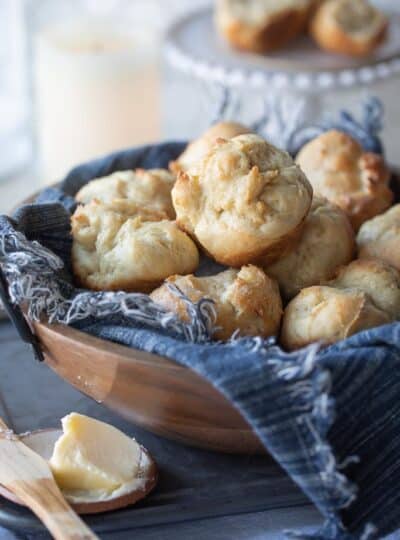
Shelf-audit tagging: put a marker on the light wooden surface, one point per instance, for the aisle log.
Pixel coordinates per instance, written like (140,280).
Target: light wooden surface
(28,476)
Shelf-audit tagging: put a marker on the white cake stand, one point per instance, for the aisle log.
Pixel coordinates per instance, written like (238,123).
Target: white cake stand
(207,79)
(194,47)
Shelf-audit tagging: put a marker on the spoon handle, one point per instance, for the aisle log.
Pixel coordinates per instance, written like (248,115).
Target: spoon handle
(28,476)
(45,499)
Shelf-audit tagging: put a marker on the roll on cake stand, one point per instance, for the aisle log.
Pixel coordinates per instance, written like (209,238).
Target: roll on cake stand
(206,80)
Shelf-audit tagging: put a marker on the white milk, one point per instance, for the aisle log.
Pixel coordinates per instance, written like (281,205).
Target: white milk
(97,90)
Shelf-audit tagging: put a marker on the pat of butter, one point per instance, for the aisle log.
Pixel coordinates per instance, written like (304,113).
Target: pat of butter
(92,455)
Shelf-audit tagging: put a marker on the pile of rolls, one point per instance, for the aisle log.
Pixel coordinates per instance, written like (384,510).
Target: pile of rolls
(308,247)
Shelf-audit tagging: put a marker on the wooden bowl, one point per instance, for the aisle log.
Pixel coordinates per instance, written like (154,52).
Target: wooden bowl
(151,391)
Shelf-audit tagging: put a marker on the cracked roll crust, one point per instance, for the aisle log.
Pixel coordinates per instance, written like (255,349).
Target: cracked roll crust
(327,315)
(112,251)
(142,188)
(341,171)
(326,242)
(244,200)
(377,279)
(246,300)
(200,147)
(380,238)
(352,27)
(261,25)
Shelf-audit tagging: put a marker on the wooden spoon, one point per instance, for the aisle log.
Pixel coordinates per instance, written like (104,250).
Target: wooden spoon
(42,443)
(28,476)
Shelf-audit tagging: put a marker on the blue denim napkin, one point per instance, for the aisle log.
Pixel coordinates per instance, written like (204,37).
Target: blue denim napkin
(330,418)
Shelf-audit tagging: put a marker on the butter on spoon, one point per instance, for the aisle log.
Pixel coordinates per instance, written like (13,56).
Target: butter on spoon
(91,455)
(97,467)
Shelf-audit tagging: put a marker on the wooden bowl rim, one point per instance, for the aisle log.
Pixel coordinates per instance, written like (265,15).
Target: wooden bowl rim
(118,349)
(93,342)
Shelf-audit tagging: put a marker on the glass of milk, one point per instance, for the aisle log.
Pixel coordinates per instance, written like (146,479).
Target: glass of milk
(95,81)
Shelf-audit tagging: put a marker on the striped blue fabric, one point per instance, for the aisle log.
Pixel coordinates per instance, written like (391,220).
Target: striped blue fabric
(330,418)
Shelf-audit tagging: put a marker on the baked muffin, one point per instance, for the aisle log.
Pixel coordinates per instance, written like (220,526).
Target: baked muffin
(377,279)
(380,237)
(112,251)
(341,171)
(246,300)
(327,315)
(327,242)
(351,27)
(143,188)
(244,199)
(261,25)
(200,147)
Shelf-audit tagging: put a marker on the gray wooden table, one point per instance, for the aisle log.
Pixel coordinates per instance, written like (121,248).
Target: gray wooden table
(225,487)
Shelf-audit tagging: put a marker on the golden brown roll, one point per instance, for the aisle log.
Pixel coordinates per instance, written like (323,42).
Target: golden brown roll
(261,25)
(339,169)
(244,199)
(200,147)
(380,237)
(327,242)
(112,251)
(327,315)
(351,27)
(379,280)
(246,300)
(149,189)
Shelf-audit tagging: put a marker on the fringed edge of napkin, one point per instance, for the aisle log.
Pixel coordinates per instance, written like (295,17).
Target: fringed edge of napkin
(311,387)
(31,271)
